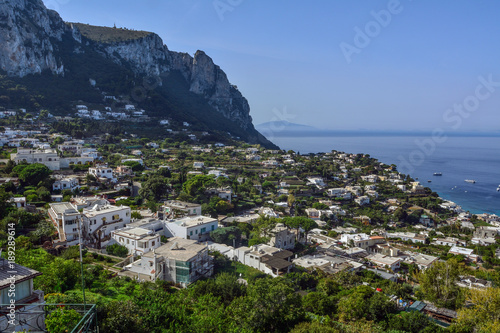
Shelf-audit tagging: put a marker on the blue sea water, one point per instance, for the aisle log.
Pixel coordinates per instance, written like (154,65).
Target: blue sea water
(458,158)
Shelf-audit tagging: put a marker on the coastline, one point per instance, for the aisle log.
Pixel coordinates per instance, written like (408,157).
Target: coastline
(459,158)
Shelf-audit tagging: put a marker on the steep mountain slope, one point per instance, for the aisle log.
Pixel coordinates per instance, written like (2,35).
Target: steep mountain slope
(55,61)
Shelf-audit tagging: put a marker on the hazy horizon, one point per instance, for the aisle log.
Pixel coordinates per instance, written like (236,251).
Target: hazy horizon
(374,65)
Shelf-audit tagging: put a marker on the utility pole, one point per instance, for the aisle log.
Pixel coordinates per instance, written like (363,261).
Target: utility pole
(81,261)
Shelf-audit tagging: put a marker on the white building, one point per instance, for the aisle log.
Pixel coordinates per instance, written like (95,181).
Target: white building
(66,218)
(47,157)
(423,261)
(407,236)
(318,181)
(363,200)
(68,183)
(101,220)
(339,192)
(181,261)
(197,227)
(198,165)
(102,172)
(385,261)
(265,258)
(282,238)
(138,241)
(175,208)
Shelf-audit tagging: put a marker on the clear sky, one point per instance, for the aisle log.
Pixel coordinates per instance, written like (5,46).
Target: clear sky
(378,65)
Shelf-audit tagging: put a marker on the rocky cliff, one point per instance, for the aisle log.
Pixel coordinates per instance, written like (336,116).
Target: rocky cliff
(35,40)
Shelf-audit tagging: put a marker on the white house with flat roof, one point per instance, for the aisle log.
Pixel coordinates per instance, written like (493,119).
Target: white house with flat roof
(381,260)
(47,157)
(265,258)
(102,172)
(138,241)
(176,208)
(423,261)
(467,253)
(68,183)
(197,227)
(65,218)
(100,220)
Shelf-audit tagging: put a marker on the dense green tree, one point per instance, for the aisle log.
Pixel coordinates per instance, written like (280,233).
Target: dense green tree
(117,250)
(483,314)
(270,305)
(356,305)
(319,303)
(412,322)
(314,327)
(225,286)
(136,166)
(197,184)
(123,317)
(33,174)
(62,320)
(5,205)
(226,235)
(438,284)
(155,187)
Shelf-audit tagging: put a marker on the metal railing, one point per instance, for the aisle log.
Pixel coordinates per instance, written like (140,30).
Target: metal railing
(32,317)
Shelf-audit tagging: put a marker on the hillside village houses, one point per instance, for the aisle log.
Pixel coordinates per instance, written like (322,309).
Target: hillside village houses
(50,158)
(184,258)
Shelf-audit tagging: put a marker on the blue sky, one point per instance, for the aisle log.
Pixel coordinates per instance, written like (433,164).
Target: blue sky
(306,62)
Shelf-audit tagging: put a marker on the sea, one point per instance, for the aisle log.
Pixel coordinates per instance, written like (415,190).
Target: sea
(457,157)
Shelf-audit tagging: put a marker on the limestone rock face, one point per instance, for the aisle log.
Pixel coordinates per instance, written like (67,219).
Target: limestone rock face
(33,38)
(149,56)
(28,32)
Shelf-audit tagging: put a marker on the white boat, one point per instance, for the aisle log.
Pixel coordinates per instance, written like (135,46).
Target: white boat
(472,181)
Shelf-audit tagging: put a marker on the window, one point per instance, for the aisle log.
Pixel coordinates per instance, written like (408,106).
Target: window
(196,231)
(23,290)
(153,244)
(128,241)
(133,243)
(191,233)
(213,227)
(116,217)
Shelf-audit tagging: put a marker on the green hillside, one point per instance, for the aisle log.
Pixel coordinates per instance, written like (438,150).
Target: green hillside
(109,35)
